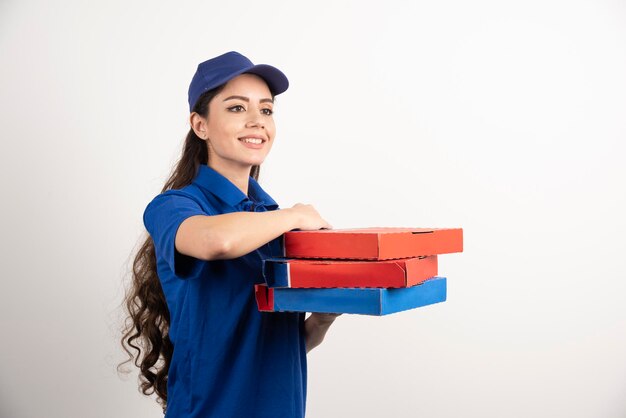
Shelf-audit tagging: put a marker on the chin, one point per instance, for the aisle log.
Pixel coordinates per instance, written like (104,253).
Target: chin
(255,161)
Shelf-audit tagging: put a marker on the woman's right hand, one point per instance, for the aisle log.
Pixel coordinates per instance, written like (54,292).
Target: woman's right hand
(307,218)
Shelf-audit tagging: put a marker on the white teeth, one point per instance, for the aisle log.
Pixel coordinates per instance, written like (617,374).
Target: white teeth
(252,140)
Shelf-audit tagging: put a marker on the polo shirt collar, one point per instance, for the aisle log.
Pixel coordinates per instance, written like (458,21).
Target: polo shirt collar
(258,195)
(225,190)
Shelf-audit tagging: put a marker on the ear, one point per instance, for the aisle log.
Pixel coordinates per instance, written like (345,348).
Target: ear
(199,125)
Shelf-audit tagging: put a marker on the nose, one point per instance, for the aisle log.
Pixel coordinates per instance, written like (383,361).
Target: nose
(255,122)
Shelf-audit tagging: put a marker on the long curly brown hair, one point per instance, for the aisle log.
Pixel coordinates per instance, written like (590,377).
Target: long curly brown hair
(146,330)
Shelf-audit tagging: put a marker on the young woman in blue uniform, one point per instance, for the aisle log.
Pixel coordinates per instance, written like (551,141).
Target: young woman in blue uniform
(194,328)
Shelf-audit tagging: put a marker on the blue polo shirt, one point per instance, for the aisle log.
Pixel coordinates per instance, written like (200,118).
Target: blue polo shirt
(229,360)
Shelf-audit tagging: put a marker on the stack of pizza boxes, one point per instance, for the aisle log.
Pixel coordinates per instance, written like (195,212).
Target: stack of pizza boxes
(370,271)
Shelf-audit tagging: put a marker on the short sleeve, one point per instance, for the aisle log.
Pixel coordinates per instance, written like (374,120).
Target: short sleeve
(162,218)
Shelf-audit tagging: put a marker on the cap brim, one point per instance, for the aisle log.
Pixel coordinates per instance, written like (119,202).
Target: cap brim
(275,79)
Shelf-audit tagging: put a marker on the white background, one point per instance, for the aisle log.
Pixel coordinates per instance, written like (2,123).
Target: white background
(504,118)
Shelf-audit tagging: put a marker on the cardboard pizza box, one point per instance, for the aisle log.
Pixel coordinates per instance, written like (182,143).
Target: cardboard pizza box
(372,243)
(303,273)
(373,301)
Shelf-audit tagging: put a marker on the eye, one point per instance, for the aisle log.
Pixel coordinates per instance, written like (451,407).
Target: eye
(267,112)
(237,108)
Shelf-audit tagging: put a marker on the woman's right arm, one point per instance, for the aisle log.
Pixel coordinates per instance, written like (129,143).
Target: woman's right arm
(222,237)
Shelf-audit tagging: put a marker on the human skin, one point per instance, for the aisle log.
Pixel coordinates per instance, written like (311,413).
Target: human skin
(239,132)
(242,110)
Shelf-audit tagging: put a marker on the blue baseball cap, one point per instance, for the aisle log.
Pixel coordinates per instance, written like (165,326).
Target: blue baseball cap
(219,70)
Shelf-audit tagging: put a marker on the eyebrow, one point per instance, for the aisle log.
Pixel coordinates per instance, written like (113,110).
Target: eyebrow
(245,99)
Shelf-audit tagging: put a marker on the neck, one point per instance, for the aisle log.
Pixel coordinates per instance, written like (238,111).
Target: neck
(239,176)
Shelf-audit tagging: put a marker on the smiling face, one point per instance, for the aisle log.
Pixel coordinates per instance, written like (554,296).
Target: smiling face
(240,127)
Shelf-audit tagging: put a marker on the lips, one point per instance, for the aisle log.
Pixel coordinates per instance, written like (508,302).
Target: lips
(254,142)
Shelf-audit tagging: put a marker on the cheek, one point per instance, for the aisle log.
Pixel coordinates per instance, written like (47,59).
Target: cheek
(270,128)
(223,133)
(220,124)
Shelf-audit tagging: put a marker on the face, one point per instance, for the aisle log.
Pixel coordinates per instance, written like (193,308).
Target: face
(239,129)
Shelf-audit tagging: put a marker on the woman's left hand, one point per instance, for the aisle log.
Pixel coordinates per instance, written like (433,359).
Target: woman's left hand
(316,326)
(325,318)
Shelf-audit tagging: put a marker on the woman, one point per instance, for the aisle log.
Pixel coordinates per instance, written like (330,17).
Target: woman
(199,339)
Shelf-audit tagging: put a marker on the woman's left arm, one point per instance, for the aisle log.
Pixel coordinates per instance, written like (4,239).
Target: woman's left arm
(315,328)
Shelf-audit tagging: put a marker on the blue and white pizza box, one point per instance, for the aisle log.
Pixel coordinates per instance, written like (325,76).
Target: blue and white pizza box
(364,301)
